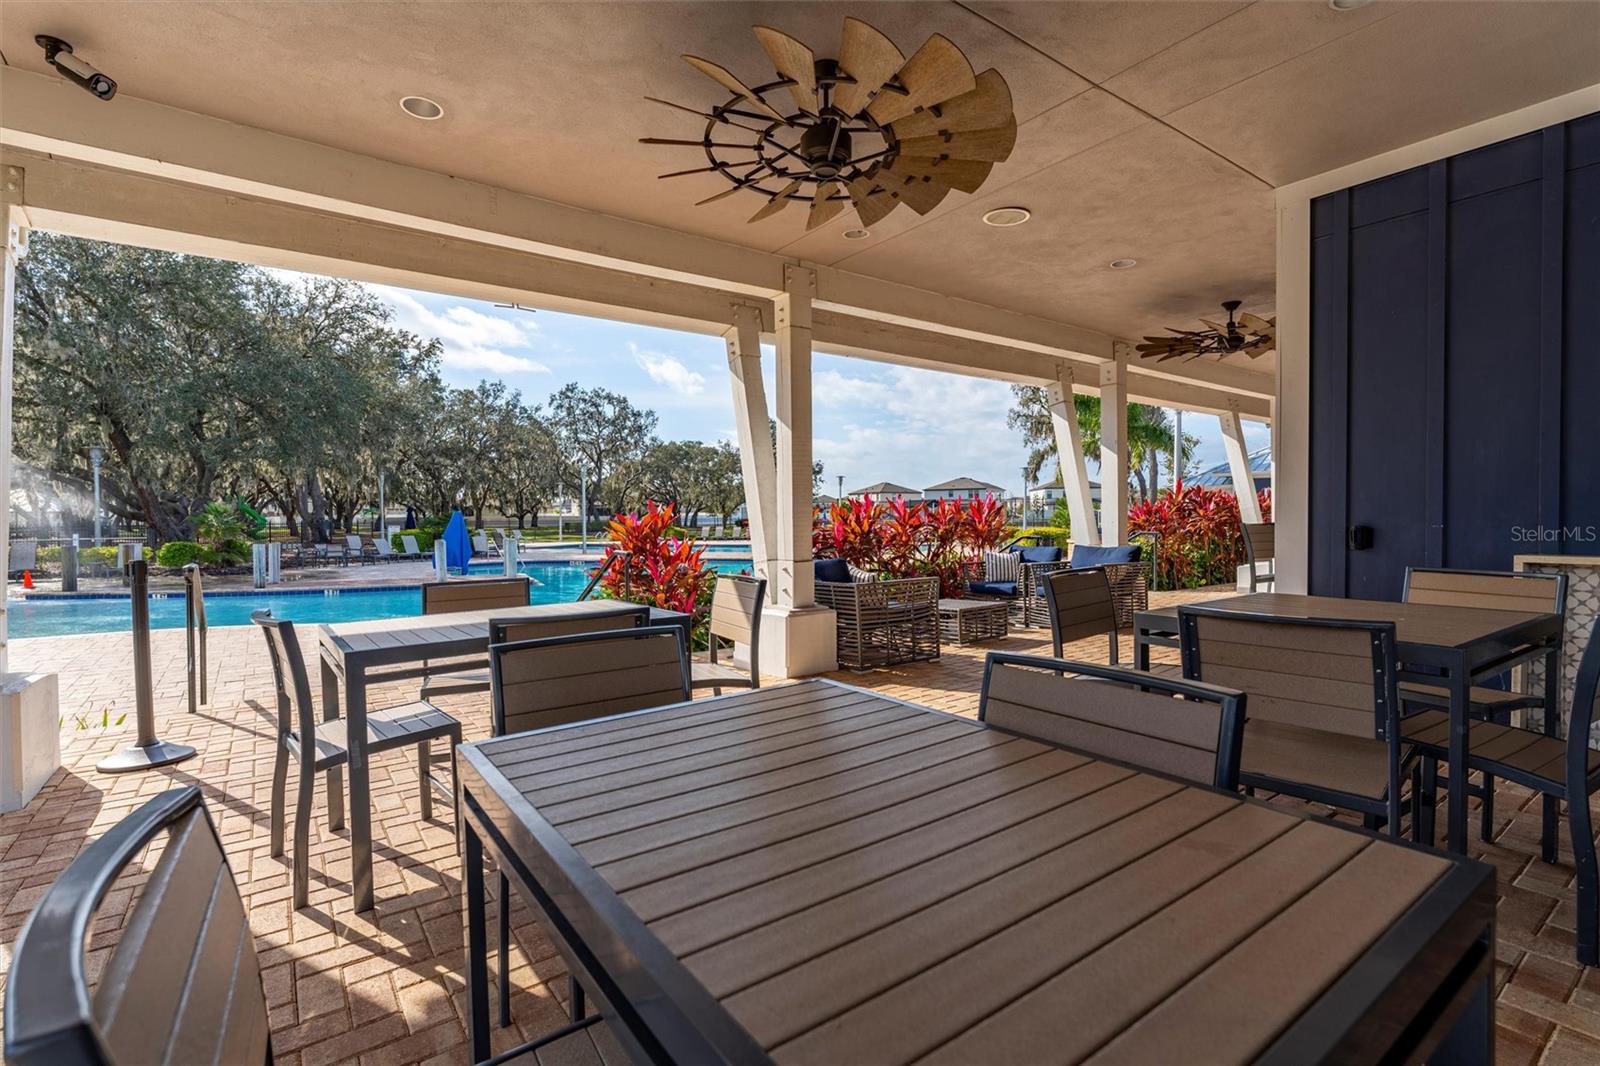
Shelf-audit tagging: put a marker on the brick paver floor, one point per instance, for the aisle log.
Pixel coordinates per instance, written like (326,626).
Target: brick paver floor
(387,987)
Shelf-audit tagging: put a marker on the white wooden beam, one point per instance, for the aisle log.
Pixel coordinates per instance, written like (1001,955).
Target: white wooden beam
(1069,449)
(796,586)
(1114,449)
(751,418)
(1244,483)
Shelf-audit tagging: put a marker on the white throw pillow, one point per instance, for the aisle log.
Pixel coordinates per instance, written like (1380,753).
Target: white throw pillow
(1002,566)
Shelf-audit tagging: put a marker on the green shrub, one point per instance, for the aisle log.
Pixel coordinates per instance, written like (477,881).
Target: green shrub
(106,554)
(50,557)
(178,553)
(425,539)
(1056,535)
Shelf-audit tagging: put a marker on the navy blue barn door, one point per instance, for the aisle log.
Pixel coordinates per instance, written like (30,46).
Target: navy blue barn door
(1455,363)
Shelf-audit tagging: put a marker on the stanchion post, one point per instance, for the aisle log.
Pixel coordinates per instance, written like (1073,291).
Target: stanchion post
(147,750)
(194,621)
(441,563)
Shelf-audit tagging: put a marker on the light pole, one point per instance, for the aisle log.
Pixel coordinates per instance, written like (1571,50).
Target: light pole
(1024,495)
(95,456)
(841,488)
(583,509)
(383,510)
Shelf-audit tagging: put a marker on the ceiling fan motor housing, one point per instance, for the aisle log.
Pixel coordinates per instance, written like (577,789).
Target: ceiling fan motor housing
(826,148)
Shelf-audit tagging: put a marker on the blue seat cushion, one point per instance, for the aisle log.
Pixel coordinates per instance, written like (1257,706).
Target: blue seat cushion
(1038,553)
(832,570)
(1084,555)
(993,588)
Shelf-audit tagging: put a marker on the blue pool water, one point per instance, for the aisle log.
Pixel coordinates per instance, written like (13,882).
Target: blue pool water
(50,616)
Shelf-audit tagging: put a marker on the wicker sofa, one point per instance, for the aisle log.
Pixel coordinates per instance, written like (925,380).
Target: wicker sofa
(880,623)
(1127,569)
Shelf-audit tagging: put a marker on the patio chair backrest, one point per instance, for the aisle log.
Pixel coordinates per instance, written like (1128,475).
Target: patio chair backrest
(293,685)
(353,542)
(514,630)
(480,543)
(1125,715)
(409,542)
(1501,590)
(539,683)
(474,594)
(1260,542)
(1333,675)
(1586,691)
(382,546)
(736,608)
(181,983)
(1080,606)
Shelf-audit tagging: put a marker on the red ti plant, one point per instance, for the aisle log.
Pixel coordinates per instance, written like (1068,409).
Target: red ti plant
(660,570)
(1201,540)
(853,533)
(943,538)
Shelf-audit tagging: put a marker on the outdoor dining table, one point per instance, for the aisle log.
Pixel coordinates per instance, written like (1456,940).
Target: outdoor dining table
(1448,646)
(351,651)
(813,873)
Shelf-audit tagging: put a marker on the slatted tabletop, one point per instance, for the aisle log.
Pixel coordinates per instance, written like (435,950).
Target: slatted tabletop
(817,874)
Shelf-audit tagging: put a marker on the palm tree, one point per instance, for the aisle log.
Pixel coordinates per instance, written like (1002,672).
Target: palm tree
(1149,434)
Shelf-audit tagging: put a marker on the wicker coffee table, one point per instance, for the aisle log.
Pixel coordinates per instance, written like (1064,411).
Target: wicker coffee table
(972,621)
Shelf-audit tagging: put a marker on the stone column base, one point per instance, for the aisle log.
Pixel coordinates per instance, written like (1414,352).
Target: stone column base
(798,641)
(30,736)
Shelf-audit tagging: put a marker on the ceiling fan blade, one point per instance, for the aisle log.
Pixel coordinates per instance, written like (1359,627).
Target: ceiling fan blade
(1219,330)
(725,78)
(919,194)
(794,61)
(823,207)
(957,173)
(729,191)
(748,179)
(993,145)
(777,203)
(935,73)
(872,207)
(1257,323)
(870,58)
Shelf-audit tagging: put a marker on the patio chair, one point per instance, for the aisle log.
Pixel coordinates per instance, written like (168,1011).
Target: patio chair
(1324,718)
(1260,547)
(1128,568)
(469,594)
(354,547)
(1498,589)
(483,544)
(736,618)
(405,725)
(1557,769)
(1124,715)
(383,550)
(1080,605)
(880,623)
(181,984)
(409,543)
(560,680)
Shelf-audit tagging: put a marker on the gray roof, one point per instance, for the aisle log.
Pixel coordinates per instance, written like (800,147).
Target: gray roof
(1221,476)
(962,483)
(1056,484)
(884,488)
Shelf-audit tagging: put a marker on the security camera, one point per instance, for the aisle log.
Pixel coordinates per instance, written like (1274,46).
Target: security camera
(58,54)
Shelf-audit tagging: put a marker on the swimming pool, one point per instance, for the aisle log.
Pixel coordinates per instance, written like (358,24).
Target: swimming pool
(51,616)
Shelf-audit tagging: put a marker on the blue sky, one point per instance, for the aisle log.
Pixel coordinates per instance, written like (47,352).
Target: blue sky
(873,421)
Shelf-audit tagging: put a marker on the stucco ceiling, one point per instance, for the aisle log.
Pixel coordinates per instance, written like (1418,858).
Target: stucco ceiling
(1149,130)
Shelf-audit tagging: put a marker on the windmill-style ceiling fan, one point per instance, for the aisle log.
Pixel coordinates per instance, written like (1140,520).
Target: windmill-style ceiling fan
(1251,334)
(870,128)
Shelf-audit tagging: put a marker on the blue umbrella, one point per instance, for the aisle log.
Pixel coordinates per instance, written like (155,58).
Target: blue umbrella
(411,518)
(457,543)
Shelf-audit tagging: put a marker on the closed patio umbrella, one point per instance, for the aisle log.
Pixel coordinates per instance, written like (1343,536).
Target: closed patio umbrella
(411,518)
(457,542)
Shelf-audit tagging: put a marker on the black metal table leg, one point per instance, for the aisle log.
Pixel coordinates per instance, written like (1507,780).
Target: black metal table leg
(1456,803)
(477,942)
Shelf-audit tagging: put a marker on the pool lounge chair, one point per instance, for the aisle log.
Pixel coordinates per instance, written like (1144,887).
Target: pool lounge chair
(483,544)
(358,550)
(409,543)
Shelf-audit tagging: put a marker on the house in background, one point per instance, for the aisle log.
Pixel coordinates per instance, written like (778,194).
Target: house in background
(1221,477)
(962,488)
(885,490)
(1048,495)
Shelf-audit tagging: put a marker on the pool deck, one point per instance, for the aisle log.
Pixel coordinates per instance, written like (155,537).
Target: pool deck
(385,989)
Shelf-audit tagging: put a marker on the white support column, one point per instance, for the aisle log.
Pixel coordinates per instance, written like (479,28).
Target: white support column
(1114,447)
(797,636)
(1244,483)
(751,417)
(16,248)
(1069,449)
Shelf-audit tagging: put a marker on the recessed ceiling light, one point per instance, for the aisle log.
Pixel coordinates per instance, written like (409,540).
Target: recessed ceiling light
(1007,216)
(1123,264)
(1347,5)
(421,107)
(856,234)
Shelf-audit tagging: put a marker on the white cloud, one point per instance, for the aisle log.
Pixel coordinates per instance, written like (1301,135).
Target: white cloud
(471,340)
(665,370)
